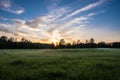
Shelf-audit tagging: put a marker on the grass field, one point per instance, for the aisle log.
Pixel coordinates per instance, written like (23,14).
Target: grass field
(64,64)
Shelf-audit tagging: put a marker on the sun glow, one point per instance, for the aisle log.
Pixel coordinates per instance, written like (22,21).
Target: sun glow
(55,37)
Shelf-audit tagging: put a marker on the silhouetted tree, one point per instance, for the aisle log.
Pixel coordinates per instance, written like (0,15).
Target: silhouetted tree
(78,41)
(3,42)
(11,39)
(62,43)
(11,43)
(24,40)
(52,45)
(101,44)
(4,38)
(68,45)
(116,44)
(91,40)
(86,41)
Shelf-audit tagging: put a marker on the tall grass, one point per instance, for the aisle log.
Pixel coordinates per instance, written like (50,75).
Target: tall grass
(65,64)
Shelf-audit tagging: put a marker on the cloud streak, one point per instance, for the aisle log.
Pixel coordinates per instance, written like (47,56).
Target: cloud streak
(52,26)
(88,7)
(8,6)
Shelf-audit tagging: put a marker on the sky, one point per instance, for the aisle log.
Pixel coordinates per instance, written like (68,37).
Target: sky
(49,21)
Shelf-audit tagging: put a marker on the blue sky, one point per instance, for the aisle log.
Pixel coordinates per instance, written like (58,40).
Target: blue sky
(51,20)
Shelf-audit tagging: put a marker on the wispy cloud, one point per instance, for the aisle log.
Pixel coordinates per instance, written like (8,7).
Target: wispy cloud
(8,6)
(43,27)
(88,7)
(7,29)
(95,13)
(52,26)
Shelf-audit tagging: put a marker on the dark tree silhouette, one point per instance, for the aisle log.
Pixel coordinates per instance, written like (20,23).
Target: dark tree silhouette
(4,38)
(11,43)
(11,39)
(91,40)
(78,42)
(62,43)
(86,41)
(3,42)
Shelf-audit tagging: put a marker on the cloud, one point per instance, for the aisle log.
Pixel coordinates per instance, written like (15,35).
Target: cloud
(44,27)
(98,34)
(44,40)
(18,21)
(51,27)
(12,29)
(8,6)
(57,13)
(77,22)
(4,18)
(52,4)
(94,13)
(48,20)
(88,7)
(38,22)
(5,3)
(6,28)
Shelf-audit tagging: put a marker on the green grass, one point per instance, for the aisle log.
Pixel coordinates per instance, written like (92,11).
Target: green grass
(65,64)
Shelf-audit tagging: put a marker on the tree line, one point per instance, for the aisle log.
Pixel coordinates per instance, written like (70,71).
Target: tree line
(12,43)
(88,44)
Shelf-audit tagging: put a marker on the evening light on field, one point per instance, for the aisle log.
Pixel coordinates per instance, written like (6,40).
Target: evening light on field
(59,39)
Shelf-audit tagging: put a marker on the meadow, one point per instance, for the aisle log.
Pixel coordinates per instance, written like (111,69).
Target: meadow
(60,64)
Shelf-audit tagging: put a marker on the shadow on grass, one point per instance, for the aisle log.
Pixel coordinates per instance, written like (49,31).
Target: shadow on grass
(17,62)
